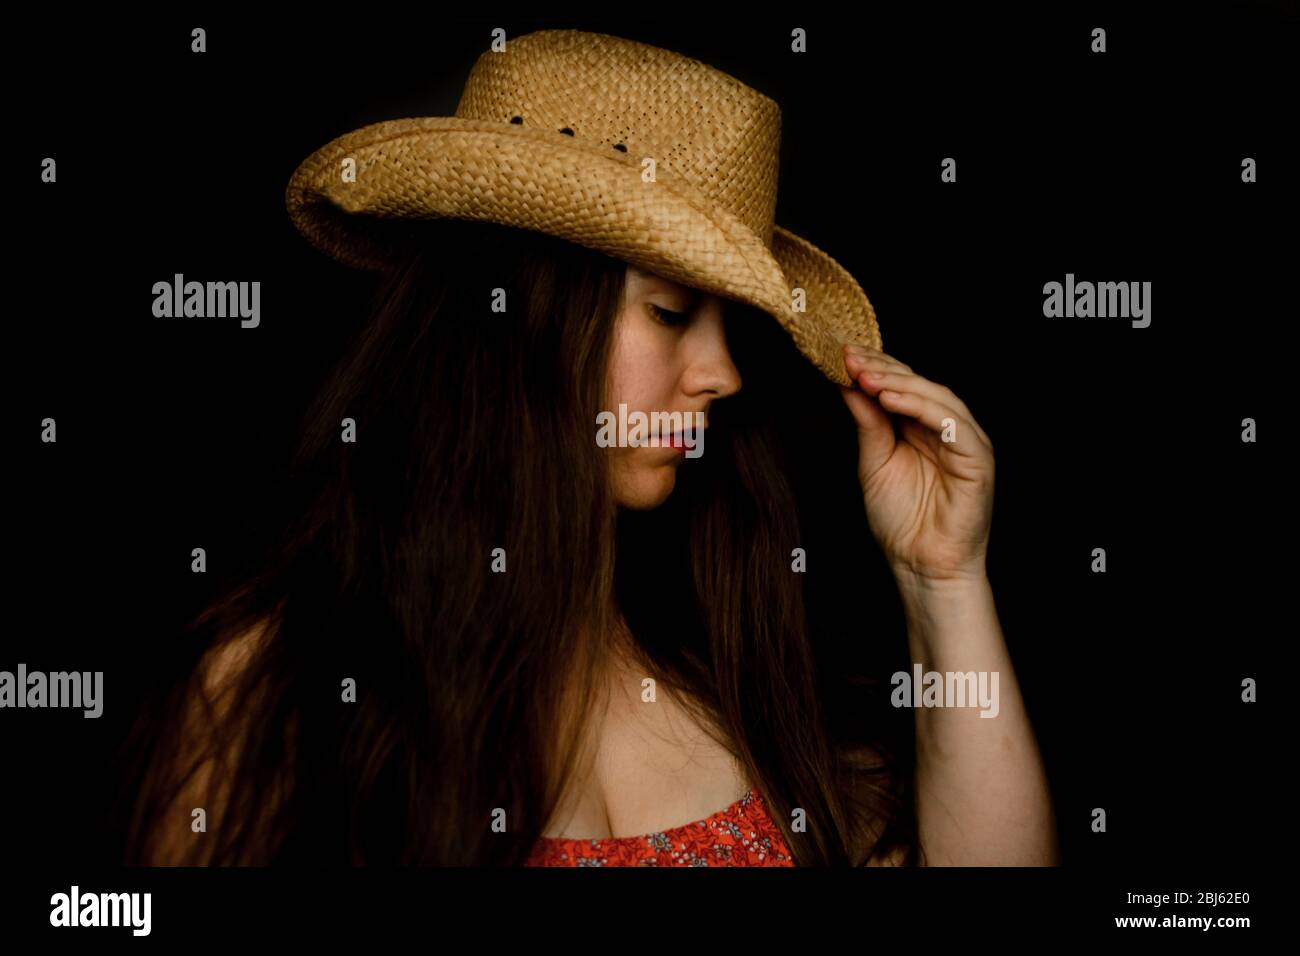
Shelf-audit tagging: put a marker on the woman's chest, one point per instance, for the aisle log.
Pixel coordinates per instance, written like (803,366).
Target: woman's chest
(649,766)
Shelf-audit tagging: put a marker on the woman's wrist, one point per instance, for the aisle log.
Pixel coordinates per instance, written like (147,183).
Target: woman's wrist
(942,610)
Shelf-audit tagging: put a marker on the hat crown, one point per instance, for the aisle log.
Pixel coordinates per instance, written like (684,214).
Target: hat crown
(696,122)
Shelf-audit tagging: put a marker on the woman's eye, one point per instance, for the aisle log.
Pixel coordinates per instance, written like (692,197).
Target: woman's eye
(667,317)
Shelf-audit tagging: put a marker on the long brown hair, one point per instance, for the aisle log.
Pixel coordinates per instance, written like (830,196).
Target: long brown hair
(472,435)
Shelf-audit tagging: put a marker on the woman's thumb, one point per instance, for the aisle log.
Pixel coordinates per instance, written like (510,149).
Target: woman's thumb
(875,429)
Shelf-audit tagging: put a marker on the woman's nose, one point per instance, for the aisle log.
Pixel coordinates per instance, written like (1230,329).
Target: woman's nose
(711,368)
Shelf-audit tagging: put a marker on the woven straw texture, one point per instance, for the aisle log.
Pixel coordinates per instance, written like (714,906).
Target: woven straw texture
(552,135)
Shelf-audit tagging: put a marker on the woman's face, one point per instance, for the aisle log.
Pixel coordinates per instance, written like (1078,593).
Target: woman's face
(662,362)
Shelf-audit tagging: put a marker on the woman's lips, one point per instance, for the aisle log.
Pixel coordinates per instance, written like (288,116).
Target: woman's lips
(677,442)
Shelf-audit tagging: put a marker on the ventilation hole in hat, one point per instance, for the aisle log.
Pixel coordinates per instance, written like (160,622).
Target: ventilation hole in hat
(620,147)
(517,120)
(566,131)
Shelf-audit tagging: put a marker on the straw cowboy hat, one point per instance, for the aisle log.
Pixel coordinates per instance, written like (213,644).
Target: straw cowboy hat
(555,134)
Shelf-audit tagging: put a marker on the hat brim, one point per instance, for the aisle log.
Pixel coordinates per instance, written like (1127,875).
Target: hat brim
(446,167)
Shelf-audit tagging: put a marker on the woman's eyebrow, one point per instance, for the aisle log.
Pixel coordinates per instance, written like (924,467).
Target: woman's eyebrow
(660,280)
(689,295)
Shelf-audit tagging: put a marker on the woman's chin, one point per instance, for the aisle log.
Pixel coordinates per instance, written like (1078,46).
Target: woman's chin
(649,489)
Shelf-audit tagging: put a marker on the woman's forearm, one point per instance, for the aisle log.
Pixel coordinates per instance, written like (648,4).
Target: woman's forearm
(982,797)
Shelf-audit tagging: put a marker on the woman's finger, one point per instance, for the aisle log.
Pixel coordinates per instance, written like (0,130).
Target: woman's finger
(874,379)
(876,438)
(876,355)
(940,393)
(955,430)
(877,361)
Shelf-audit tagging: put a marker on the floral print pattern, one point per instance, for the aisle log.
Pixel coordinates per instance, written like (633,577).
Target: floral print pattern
(743,834)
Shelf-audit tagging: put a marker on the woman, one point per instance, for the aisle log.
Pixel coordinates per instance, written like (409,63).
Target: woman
(484,638)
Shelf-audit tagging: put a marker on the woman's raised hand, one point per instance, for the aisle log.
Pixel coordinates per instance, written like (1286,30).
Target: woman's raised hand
(928,490)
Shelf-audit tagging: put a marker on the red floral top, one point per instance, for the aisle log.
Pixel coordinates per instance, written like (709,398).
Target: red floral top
(743,834)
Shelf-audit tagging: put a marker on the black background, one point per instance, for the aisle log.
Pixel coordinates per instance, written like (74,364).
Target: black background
(1124,166)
